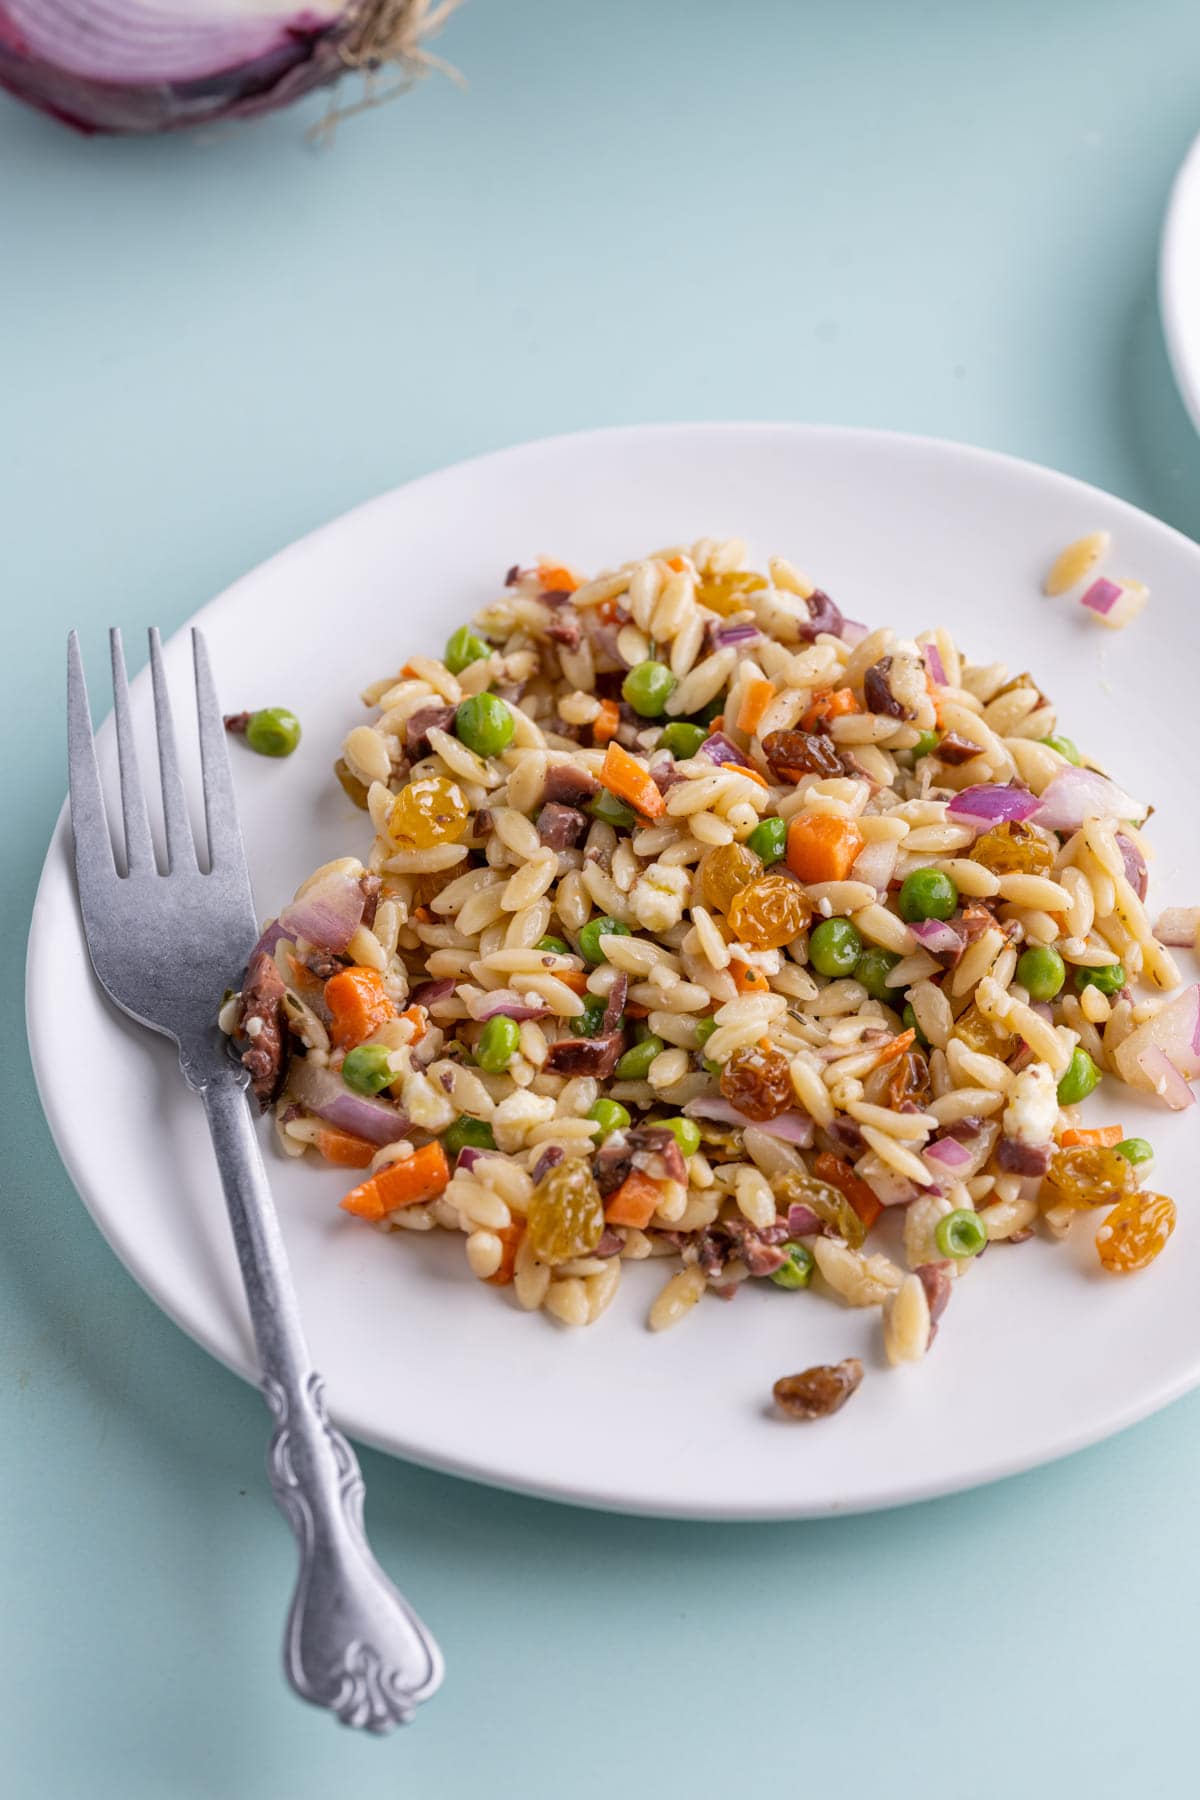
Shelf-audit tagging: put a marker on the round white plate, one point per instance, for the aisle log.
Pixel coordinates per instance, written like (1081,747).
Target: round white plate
(1039,1352)
(1179,281)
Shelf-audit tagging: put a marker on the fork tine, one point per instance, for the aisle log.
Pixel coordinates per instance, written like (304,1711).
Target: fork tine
(139,846)
(180,846)
(89,824)
(220,806)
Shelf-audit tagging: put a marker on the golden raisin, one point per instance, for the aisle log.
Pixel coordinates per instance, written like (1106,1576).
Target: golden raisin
(726,594)
(351,784)
(758,1082)
(1085,1175)
(908,1079)
(815,1393)
(770,913)
(978,1033)
(1135,1231)
(829,1203)
(1012,848)
(565,1216)
(429,811)
(725,872)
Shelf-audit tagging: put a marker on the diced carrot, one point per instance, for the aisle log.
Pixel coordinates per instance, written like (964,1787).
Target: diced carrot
(635,1202)
(555,579)
(422,915)
(747,980)
(635,1010)
(757,695)
(1105,1135)
(607,722)
(575,979)
(676,564)
(421,1176)
(358,1005)
(510,1237)
(821,847)
(624,776)
(935,694)
(751,774)
(343,1149)
(609,611)
(715,725)
(416,1018)
(896,1047)
(839,1174)
(827,704)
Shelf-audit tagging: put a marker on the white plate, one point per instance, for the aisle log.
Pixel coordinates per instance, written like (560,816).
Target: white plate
(1179,281)
(1039,1352)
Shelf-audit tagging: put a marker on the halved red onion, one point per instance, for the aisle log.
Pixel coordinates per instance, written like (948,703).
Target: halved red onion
(935,665)
(876,864)
(328,914)
(947,1156)
(1165,1078)
(717,748)
(327,1095)
(789,1127)
(503,1003)
(990,803)
(937,935)
(1079,794)
(1178,927)
(1102,596)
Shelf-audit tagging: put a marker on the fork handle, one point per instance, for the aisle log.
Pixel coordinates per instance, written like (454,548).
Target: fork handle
(353,1644)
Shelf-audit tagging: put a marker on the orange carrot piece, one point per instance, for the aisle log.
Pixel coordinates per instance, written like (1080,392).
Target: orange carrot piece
(609,611)
(715,725)
(575,979)
(676,564)
(421,1176)
(416,1018)
(607,722)
(821,847)
(839,1174)
(358,1005)
(635,1201)
(556,579)
(756,697)
(827,704)
(623,776)
(510,1237)
(343,1149)
(635,1010)
(895,1048)
(747,980)
(1104,1135)
(935,694)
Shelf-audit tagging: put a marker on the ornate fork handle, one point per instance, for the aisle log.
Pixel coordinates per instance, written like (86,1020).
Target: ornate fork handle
(353,1644)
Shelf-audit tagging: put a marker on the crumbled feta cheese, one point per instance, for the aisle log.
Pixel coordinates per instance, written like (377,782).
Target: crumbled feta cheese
(921,1220)
(423,1103)
(515,1117)
(658,896)
(1032,1110)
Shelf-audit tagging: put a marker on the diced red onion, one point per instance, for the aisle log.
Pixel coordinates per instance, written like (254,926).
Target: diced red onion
(802,1221)
(1178,927)
(1167,1081)
(146,65)
(717,748)
(789,1127)
(1079,794)
(889,1188)
(502,1003)
(328,914)
(1135,865)
(466,1159)
(327,1095)
(876,864)
(947,1155)
(725,635)
(1102,596)
(935,665)
(430,993)
(267,942)
(936,935)
(854,631)
(991,803)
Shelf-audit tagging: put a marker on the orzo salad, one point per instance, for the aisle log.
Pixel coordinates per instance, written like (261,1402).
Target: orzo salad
(704,924)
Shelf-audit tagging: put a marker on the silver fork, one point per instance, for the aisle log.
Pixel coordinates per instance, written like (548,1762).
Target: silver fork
(164,947)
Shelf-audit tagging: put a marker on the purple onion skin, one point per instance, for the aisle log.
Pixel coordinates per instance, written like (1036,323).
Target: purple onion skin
(308,57)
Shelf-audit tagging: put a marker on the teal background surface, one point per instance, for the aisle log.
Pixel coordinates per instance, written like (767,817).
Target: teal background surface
(936,216)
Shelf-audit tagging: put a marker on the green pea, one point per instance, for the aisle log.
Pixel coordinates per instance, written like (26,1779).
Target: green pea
(553,946)
(685,1132)
(797,1271)
(1135,1150)
(909,1020)
(484,724)
(927,894)
(960,1234)
(1079,1080)
(1041,972)
(273,732)
(705,1028)
(611,811)
(648,688)
(928,740)
(707,714)
(593,931)
(681,739)
(368,1068)
(589,1021)
(497,1044)
(834,947)
(1110,979)
(635,1064)
(466,1132)
(873,968)
(768,841)
(462,648)
(1065,747)
(610,1116)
